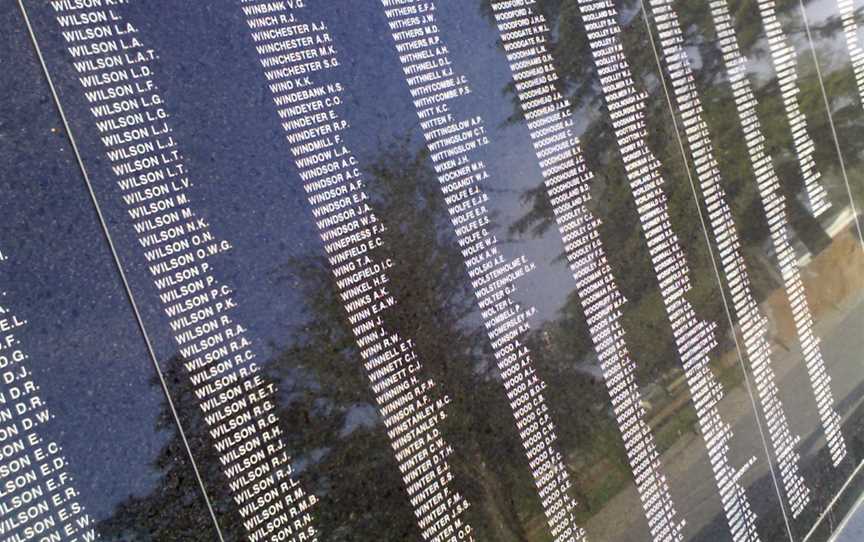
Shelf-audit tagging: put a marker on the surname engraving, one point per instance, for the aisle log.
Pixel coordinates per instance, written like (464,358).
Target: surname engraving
(38,499)
(753,324)
(116,71)
(568,179)
(435,86)
(296,52)
(774,206)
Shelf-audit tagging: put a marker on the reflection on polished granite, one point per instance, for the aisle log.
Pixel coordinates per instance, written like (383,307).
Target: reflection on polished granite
(852,528)
(314,376)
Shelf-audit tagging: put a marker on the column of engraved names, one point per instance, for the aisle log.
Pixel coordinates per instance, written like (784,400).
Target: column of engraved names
(774,206)
(784,58)
(695,339)
(853,43)
(434,86)
(754,325)
(37,498)
(115,70)
(568,182)
(294,53)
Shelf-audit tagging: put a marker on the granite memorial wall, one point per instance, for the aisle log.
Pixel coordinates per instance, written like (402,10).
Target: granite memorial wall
(504,270)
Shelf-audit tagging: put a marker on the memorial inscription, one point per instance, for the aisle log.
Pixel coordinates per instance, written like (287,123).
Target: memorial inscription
(436,89)
(117,76)
(568,185)
(294,50)
(774,207)
(695,338)
(38,497)
(753,324)
(434,270)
